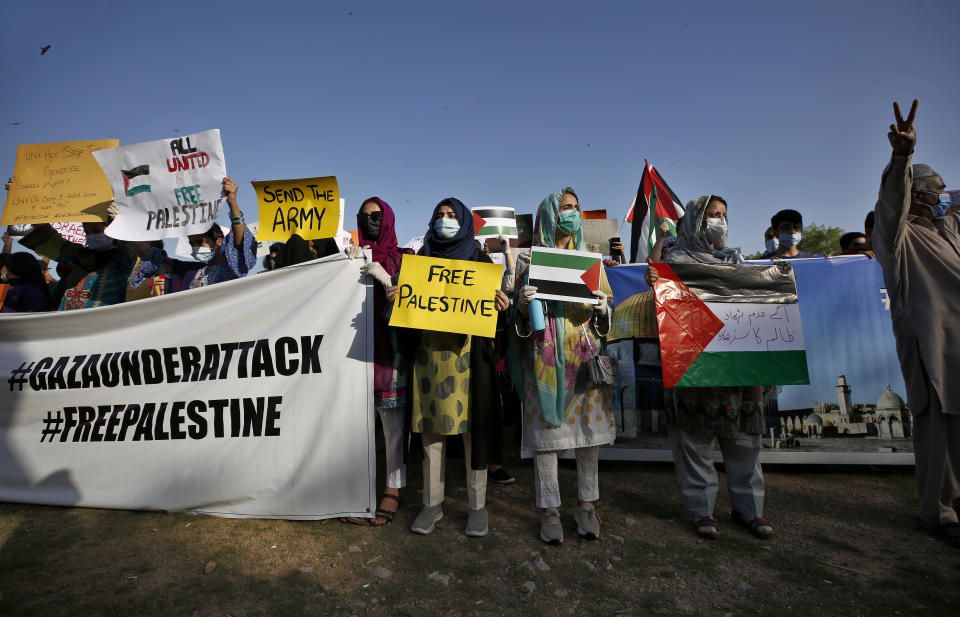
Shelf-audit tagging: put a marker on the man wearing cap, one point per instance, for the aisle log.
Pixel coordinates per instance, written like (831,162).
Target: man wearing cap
(917,247)
(788,227)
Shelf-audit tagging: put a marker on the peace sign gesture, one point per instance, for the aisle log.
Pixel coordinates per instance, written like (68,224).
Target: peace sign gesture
(902,136)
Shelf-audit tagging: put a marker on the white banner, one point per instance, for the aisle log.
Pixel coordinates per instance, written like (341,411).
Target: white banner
(165,188)
(250,398)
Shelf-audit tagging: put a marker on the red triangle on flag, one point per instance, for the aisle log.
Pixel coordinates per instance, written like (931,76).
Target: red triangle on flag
(592,276)
(478,223)
(685,323)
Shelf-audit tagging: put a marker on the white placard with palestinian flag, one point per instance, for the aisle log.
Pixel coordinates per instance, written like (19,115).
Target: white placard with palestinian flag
(729,325)
(165,188)
(568,276)
(490,222)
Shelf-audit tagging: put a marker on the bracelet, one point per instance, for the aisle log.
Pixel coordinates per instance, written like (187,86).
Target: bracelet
(236,220)
(516,326)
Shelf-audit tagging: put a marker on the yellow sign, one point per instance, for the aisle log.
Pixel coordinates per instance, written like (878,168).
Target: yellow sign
(447,295)
(309,207)
(58,182)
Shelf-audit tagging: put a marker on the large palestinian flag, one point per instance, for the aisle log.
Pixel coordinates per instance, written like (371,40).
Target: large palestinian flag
(654,203)
(729,325)
(569,276)
(491,222)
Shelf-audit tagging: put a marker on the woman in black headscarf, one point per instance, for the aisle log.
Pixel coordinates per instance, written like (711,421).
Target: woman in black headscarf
(452,381)
(28,292)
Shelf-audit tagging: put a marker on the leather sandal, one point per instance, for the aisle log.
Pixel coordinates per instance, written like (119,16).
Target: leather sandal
(758,527)
(387,515)
(707,527)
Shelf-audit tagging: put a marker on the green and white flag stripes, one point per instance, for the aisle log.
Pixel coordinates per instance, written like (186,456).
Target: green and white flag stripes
(569,276)
(729,325)
(491,222)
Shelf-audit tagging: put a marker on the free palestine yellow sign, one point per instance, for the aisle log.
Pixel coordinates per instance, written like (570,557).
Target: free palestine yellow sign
(309,207)
(58,182)
(447,295)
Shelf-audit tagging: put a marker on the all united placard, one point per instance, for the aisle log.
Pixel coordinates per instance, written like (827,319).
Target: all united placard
(447,295)
(165,188)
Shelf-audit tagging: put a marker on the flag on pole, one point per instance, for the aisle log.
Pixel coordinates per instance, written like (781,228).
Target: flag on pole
(568,276)
(729,325)
(657,204)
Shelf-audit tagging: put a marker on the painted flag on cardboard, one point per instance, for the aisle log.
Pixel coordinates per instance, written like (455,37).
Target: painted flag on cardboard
(568,276)
(654,203)
(491,222)
(729,325)
(136,180)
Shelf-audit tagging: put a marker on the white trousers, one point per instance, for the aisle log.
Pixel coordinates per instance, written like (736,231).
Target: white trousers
(547,481)
(392,421)
(435,468)
(693,459)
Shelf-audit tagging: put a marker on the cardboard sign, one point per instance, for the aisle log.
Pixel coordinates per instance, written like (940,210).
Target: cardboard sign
(58,182)
(524,231)
(597,234)
(165,188)
(447,295)
(309,207)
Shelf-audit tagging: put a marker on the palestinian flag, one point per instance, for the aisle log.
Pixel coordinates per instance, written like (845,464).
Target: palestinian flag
(729,325)
(568,276)
(657,204)
(136,180)
(491,222)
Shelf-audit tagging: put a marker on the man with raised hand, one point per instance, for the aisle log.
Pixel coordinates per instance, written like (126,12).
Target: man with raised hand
(917,247)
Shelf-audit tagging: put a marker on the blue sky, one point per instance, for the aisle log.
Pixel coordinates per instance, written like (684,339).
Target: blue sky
(772,105)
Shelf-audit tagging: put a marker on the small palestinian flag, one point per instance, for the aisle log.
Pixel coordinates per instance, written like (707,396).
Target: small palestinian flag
(655,203)
(491,222)
(729,325)
(569,276)
(136,180)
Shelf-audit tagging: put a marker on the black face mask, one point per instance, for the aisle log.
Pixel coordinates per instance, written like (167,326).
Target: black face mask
(370,224)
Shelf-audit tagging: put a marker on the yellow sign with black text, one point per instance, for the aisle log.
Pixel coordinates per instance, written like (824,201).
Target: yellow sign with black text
(309,207)
(447,295)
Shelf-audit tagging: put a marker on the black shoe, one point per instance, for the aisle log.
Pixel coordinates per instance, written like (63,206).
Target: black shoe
(500,476)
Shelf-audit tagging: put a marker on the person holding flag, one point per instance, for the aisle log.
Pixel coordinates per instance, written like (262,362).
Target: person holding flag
(562,407)
(660,205)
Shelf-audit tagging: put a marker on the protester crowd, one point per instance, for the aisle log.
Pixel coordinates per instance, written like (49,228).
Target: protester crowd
(437,385)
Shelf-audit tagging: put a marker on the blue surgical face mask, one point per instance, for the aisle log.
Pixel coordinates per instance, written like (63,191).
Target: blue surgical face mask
(772,245)
(202,253)
(446,228)
(98,241)
(569,222)
(790,240)
(940,208)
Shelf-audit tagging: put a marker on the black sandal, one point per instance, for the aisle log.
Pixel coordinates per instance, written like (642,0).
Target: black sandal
(386,514)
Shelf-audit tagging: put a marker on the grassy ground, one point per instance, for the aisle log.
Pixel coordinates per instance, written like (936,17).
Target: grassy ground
(847,544)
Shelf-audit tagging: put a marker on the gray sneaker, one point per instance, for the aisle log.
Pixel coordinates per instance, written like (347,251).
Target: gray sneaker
(477,523)
(551,531)
(426,520)
(588,523)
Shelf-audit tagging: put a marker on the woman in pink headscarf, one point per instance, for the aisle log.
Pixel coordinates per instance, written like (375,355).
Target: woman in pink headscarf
(375,225)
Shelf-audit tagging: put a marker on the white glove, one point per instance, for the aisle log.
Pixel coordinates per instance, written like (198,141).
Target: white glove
(113,210)
(353,252)
(601,308)
(377,273)
(527,293)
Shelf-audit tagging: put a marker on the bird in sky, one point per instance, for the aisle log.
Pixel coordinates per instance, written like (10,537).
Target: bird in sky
(44,50)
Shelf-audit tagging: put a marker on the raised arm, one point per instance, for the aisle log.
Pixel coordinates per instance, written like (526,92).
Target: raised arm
(893,203)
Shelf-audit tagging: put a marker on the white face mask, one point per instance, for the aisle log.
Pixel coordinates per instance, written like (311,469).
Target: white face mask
(98,241)
(202,253)
(716,229)
(772,245)
(446,228)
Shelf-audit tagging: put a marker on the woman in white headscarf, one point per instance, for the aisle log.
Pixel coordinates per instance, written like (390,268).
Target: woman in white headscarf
(702,417)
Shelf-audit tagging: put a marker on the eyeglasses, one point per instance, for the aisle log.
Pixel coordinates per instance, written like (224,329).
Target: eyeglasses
(373,216)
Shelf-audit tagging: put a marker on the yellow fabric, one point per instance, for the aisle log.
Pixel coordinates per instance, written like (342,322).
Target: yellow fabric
(441,384)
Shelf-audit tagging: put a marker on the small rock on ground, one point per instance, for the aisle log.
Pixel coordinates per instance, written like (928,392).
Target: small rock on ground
(560,593)
(381,572)
(529,587)
(209,567)
(443,579)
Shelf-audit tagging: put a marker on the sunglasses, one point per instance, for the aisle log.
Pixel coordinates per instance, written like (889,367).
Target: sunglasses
(373,216)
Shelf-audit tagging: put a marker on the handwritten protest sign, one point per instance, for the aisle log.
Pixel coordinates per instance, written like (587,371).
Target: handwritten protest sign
(165,188)
(447,295)
(309,207)
(58,182)
(71,232)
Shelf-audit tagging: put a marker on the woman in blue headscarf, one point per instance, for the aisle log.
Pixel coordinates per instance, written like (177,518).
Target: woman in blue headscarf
(562,407)
(452,381)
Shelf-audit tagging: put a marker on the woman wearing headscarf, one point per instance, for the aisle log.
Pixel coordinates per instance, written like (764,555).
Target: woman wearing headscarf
(376,229)
(700,417)
(453,381)
(563,408)
(27,291)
